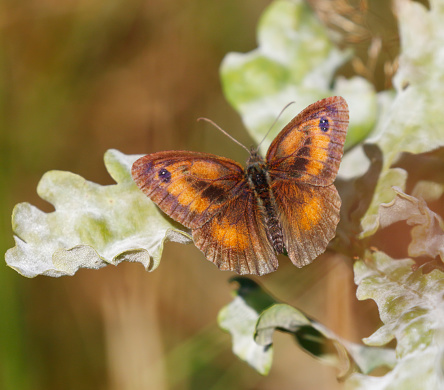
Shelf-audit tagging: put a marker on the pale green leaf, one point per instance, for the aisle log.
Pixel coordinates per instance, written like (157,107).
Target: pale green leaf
(92,225)
(253,316)
(427,232)
(422,370)
(320,342)
(383,194)
(411,308)
(414,122)
(295,61)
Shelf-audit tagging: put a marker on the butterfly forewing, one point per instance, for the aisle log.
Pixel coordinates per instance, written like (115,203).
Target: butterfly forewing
(309,149)
(190,187)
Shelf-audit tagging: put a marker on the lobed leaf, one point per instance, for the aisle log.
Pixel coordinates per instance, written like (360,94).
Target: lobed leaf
(413,122)
(320,342)
(92,225)
(411,308)
(421,370)
(253,316)
(427,232)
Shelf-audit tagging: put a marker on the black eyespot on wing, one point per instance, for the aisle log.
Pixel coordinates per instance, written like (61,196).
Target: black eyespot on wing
(164,175)
(324,124)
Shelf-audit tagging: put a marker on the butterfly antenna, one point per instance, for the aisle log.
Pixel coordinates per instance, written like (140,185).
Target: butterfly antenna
(275,121)
(224,132)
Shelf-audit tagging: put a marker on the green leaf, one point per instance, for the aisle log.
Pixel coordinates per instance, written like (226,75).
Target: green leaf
(92,225)
(295,61)
(411,308)
(253,316)
(414,121)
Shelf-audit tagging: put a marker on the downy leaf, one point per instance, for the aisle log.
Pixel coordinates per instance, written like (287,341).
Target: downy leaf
(92,225)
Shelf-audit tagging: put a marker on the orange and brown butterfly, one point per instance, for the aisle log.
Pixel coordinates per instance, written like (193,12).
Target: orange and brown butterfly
(242,218)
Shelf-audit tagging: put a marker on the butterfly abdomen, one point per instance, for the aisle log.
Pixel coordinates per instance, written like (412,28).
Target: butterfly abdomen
(259,182)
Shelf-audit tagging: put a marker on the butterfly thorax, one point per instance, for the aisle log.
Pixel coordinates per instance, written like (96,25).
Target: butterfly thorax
(257,173)
(259,181)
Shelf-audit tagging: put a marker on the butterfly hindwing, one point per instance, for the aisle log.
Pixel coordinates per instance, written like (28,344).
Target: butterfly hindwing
(236,238)
(309,149)
(309,216)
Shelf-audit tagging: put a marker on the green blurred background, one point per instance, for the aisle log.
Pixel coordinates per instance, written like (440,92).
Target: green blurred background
(81,76)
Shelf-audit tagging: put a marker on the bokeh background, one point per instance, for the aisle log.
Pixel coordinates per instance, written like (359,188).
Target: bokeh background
(81,76)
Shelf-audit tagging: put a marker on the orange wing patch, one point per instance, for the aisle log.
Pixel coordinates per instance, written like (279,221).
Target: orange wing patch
(199,205)
(293,142)
(230,236)
(201,169)
(311,210)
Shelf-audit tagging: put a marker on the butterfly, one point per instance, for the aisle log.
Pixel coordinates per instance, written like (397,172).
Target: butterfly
(242,218)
